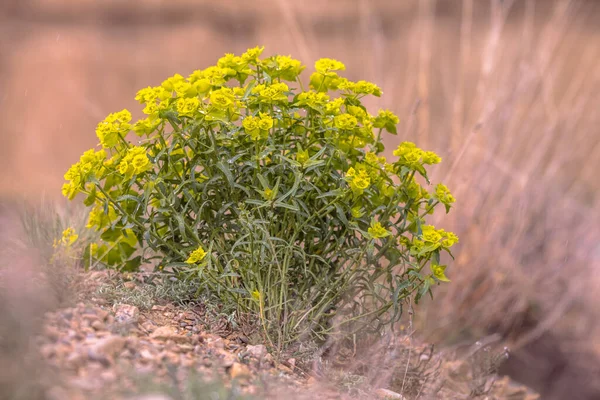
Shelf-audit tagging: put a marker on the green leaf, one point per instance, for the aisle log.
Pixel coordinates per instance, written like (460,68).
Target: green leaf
(391,128)
(227,172)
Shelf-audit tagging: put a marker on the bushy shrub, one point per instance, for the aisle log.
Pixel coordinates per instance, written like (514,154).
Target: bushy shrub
(275,198)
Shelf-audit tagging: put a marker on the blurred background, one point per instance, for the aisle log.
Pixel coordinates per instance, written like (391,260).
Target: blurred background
(508,92)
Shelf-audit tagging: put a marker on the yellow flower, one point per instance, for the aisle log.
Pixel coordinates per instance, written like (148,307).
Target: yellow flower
(358,181)
(170,83)
(115,126)
(232,62)
(430,234)
(222,98)
(302,156)
(196,256)
(211,76)
(256,295)
(326,65)
(250,123)
(439,272)
(345,121)
(98,218)
(377,231)
(265,123)
(268,194)
(404,148)
(450,239)
(386,119)
(150,109)
(272,93)
(315,100)
(356,212)
(90,163)
(135,162)
(360,87)
(408,154)
(430,158)
(371,158)
(145,126)
(187,107)
(251,55)
(442,193)
(289,66)
(333,107)
(140,163)
(68,238)
(386,116)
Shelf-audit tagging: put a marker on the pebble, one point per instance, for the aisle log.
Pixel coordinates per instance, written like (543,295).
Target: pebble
(109,346)
(168,333)
(385,394)
(126,314)
(239,371)
(258,351)
(98,325)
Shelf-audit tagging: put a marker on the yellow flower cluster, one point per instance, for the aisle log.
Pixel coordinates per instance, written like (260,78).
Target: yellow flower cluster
(326,66)
(442,193)
(283,67)
(187,107)
(315,100)
(358,181)
(268,194)
(272,93)
(302,156)
(135,162)
(432,239)
(439,272)
(91,162)
(196,256)
(345,121)
(69,236)
(113,128)
(360,87)
(258,126)
(411,156)
(377,231)
(98,218)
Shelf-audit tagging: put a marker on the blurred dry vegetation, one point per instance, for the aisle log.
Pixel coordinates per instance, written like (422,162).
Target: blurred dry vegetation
(508,92)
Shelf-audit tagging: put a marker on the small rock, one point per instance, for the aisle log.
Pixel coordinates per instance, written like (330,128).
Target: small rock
(239,371)
(187,362)
(129,285)
(56,393)
(152,397)
(98,325)
(51,332)
(126,314)
(285,369)
(386,394)
(75,360)
(292,363)
(169,333)
(146,354)
(108,376)
(268,358)
(109,346)
(257,351)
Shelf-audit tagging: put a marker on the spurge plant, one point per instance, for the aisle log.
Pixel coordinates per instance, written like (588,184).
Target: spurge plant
(273,197)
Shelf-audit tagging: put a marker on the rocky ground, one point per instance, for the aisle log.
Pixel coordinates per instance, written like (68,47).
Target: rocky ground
(105,349)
